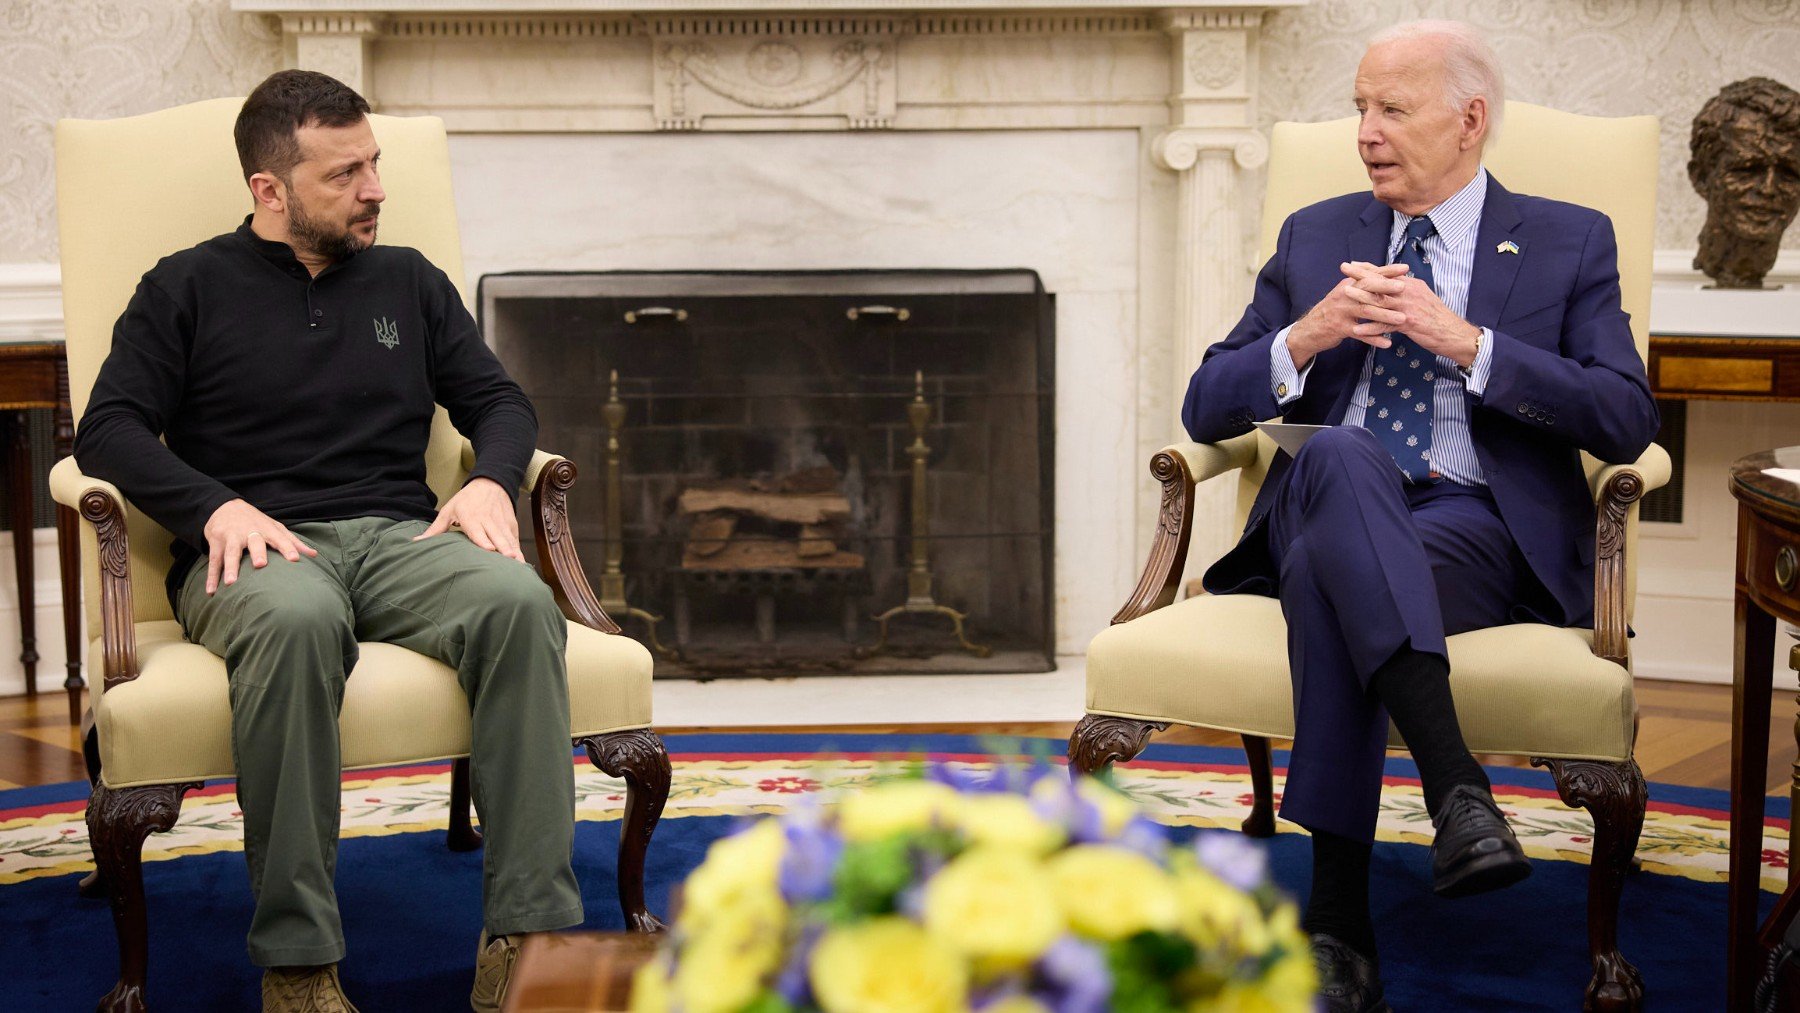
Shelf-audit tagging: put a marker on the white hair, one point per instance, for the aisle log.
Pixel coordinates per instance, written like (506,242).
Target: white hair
(1470,66)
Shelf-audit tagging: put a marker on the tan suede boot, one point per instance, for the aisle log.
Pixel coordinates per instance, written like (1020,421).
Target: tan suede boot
(494,960)
(304,990)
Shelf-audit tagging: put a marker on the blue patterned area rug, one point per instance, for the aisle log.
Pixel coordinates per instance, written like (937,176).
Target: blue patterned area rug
(411,907)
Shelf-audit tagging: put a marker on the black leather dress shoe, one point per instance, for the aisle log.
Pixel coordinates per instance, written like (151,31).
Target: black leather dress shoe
(1475,851)
(1348,981)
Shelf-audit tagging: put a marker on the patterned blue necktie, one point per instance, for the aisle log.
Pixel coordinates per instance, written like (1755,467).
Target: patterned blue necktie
(1400,385)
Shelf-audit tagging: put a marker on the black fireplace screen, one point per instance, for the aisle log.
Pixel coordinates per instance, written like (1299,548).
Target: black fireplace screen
(801,472)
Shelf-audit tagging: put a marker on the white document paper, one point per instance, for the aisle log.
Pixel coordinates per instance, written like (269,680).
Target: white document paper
(1289,435)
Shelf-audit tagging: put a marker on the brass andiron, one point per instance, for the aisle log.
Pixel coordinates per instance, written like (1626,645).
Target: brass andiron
(918,578)
(612,578)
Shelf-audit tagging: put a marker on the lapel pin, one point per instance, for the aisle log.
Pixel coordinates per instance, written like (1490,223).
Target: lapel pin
(1507,247)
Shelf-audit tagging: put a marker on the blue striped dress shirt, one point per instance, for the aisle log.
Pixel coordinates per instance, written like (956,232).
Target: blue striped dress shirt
(1452,253)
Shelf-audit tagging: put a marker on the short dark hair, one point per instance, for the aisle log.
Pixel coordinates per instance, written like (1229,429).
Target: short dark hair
(280,106)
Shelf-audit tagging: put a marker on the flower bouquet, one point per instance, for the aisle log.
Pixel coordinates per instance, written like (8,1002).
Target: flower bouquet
(1022,894)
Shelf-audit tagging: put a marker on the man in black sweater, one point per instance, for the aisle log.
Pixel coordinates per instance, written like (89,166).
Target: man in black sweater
(292,367)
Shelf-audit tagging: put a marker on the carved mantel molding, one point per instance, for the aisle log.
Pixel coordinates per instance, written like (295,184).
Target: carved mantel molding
(567,65)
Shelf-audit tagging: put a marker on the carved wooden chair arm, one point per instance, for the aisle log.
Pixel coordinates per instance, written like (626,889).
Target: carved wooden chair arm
(101,504)
(1615,487)
(1179,467)
(548,478)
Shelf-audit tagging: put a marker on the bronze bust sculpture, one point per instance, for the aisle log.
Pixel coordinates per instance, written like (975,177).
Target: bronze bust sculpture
(1746,164)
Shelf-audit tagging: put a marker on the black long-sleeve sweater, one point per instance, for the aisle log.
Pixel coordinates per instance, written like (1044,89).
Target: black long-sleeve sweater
(311,398)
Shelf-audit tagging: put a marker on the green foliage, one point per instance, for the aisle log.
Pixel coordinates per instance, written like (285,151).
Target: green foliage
(869,878)
(1144,969)
(768,1002)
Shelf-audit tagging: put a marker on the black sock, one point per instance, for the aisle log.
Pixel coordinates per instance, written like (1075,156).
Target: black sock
(1415,689)
(1339,905)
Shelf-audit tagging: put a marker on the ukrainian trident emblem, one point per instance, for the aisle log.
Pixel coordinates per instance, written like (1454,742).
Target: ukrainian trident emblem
(387,333)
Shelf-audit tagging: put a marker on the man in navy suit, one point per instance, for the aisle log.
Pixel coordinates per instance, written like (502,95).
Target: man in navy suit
(1466,343)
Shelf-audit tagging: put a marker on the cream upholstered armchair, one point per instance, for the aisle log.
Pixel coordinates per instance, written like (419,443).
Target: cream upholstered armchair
(130,191)
(1562,697)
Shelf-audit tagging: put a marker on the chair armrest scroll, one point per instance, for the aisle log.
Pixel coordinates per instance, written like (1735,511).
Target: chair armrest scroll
(1210,460)
(551,478)
(1179,467)
(1616,487)
(101,504)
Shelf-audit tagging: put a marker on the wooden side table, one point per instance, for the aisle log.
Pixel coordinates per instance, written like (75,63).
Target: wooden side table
(1725,368)
(578,972)
(36,375)
(1768,587)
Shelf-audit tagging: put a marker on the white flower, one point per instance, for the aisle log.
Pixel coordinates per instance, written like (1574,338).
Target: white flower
(1380,370)
(1412,441)
(1406,393)
(1382,414)
(1429,375)
(1400,350)
(1397,425)
(1393,381)
(1419,406)
(1413,364)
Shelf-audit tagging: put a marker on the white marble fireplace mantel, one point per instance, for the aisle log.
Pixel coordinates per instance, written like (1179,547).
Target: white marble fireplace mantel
(1099,142)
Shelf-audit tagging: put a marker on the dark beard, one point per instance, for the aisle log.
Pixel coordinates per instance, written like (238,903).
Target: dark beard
(323,240)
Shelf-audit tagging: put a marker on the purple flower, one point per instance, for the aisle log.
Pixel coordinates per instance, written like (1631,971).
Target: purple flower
(1234,858)
(1073,977)
(957,777)
(811,856)
(1066,808)
(793,982)
(1146,837)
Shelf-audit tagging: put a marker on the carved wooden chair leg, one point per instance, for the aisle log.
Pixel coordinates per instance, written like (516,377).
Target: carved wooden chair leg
(1261,821)
(118,820)
(462,836)
(1615,794)
(92,886)
(638,757)
(1100,740)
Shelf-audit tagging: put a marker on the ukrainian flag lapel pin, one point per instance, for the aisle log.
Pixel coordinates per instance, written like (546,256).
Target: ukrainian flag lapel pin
(1507,247)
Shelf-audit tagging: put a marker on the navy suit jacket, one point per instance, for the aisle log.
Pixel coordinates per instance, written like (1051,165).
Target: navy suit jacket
(1565,375)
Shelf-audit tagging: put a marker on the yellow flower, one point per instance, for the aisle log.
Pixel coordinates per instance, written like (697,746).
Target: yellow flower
(650,987)
(1110,893)
(738,870)
(897,806)
(1217,916)
(887,965)
(1006,820)
(724,964)
(994,905)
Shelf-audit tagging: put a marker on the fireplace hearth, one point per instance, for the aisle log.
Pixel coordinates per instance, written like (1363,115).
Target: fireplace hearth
(801,472)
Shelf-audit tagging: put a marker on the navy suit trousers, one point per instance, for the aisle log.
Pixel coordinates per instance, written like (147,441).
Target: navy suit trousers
(1368,564)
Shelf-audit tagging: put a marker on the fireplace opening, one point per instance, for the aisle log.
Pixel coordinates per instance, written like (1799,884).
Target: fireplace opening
(787,473)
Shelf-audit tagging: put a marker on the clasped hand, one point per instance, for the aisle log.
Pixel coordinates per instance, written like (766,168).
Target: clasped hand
(1372,302)
(481,509)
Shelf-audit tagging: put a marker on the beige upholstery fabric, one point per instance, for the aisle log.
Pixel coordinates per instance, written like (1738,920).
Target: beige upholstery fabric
(1221,662)
(399,707)
(183,186)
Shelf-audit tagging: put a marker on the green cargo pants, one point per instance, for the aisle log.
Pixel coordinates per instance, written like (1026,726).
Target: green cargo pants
(288,634)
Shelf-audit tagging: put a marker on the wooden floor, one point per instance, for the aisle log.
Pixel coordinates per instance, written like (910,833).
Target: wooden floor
(1684,737)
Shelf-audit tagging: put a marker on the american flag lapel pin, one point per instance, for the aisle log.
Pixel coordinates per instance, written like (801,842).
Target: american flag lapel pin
(1507,247)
